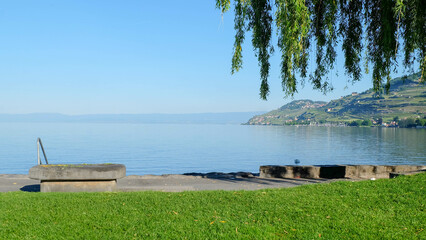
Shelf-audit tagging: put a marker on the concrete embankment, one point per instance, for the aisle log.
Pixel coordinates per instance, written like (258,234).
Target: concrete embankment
(269,177)
(173,182)
(338,171)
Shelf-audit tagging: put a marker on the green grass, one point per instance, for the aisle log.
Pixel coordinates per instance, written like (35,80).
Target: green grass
(381,209)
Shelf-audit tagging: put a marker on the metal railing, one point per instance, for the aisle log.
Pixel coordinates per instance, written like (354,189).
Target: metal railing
(39,144)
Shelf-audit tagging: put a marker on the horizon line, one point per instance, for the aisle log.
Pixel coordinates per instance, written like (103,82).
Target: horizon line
(85,114)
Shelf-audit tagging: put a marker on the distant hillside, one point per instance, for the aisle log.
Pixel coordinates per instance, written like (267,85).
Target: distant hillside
(406,99)
(285,113)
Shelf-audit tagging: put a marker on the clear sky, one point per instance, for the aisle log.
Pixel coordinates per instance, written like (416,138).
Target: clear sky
(89,57)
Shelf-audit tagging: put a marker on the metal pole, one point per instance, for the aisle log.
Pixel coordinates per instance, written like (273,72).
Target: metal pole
(44,154)
(39,144)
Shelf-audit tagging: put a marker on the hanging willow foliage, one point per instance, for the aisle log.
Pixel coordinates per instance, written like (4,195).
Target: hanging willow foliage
(293,41)
(369,29)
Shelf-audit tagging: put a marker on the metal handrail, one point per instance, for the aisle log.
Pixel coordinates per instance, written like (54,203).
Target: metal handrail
(39,144)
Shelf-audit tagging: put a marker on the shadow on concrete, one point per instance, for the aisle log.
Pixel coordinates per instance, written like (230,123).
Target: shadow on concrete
(31,188)
(253,178)
(332,171)
(267,182)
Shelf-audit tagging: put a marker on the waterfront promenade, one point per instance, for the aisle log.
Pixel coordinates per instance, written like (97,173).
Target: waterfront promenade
(171,183)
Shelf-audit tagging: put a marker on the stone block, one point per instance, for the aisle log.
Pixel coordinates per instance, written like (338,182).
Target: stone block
(78,186)
(366,171)
(78,172)
(379,171)
(351,171)
(78,177)
(272,171)
(306,172)
(407,168)
(289,171)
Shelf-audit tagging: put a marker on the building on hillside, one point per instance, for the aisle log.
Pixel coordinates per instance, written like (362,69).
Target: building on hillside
(393,124)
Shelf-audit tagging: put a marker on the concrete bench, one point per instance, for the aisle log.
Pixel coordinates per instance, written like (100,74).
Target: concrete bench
(78,177)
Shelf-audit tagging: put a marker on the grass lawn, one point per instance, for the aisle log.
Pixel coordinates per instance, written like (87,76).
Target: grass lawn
(381,209)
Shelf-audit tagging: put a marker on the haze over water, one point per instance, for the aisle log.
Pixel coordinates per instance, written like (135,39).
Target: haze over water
(183,148)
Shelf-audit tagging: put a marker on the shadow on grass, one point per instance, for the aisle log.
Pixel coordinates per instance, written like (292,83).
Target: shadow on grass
(31,188)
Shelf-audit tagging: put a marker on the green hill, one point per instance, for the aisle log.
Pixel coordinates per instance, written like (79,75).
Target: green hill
(406,99)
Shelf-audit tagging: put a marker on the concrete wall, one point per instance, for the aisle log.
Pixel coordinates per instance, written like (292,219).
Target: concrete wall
(335,171)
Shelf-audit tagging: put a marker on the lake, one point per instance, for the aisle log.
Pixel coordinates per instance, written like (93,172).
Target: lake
(184,148)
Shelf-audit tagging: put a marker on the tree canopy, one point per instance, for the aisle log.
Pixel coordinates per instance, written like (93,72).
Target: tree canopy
(369,32)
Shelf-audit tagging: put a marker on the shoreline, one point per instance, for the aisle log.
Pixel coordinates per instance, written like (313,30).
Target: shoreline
(332,125)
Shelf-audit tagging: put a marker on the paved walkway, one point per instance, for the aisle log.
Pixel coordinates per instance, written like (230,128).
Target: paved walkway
(171,183)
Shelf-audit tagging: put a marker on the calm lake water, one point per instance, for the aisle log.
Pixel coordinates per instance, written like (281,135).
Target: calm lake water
(183,148)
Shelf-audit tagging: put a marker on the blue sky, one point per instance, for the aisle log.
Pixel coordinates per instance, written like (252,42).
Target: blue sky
(89,57)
